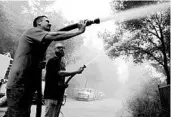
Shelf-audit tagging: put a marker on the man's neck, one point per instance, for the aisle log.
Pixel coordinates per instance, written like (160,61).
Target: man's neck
(59,57)
(40,27)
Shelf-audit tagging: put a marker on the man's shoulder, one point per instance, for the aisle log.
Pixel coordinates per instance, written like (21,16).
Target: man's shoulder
(29,30)
(33,29)
(54,58)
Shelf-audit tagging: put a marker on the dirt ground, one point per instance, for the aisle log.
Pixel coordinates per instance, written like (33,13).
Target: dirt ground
(73,108)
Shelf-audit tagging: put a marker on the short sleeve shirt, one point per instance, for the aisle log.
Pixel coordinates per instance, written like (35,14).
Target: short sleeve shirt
(53,80)
(30,51)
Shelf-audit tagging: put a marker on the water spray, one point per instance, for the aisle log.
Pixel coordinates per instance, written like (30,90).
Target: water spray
(93,60)
(136,13)
(96,57)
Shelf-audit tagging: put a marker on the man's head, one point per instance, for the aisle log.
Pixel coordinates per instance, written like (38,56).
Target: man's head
(42,22)
(59,50)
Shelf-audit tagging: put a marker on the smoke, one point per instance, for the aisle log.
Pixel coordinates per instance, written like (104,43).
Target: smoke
(100,74)
(122,71)
(82,9)
(115,78)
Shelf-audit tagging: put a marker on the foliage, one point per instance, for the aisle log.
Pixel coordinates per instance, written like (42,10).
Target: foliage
(145,39)
(147,102)
(8,33)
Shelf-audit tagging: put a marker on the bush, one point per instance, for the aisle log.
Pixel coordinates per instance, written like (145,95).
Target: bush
(147,102)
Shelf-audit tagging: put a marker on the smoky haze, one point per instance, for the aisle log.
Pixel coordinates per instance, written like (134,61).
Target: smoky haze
(115,78)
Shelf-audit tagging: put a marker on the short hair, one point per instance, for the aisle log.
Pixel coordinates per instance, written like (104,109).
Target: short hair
(59,45)
(39,18)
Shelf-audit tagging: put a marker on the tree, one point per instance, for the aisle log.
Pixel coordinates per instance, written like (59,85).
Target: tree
(147,38)
(8,31)
(146,103)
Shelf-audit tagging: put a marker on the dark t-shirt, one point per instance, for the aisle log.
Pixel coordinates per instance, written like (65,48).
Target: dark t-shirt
(29,54)
(53,81)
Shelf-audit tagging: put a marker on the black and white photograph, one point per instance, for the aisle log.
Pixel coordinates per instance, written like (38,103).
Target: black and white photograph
(85,58)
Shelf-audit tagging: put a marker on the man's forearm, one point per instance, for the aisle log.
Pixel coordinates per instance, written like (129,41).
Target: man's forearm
(66,73)
(67,36)
(62,35)
(70,27)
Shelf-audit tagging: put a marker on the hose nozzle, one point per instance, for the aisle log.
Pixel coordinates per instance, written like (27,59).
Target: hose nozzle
(96,21)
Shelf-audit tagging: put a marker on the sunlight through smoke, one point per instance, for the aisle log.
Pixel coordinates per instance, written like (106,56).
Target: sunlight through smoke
(122,70)
(82,9)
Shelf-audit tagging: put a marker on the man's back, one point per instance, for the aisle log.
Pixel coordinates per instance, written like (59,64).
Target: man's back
(29,53)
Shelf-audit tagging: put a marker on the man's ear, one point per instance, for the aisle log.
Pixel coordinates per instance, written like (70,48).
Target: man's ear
(39,22)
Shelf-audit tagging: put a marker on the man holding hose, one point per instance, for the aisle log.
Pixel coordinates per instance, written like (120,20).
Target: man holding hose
(55,81)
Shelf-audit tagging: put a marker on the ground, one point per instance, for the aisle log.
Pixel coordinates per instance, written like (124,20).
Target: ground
(73,108)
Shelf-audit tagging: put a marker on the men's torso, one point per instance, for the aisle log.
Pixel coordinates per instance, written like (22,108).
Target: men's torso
(29,53)
(53,81)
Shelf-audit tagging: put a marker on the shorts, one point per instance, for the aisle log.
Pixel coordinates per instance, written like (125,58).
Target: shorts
(19,101)
(52,108)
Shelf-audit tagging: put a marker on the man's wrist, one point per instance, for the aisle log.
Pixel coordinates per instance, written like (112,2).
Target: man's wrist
(80,32)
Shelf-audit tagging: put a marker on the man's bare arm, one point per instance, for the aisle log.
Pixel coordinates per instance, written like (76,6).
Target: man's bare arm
(61,35)
(67,73)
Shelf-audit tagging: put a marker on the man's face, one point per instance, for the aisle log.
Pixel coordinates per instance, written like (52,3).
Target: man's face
(59,51)
(45,24)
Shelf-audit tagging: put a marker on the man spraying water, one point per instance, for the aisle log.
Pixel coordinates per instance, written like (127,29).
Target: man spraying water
(55,81)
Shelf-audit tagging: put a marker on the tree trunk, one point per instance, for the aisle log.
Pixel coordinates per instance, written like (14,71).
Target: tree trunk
(167,75)
(164,56)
